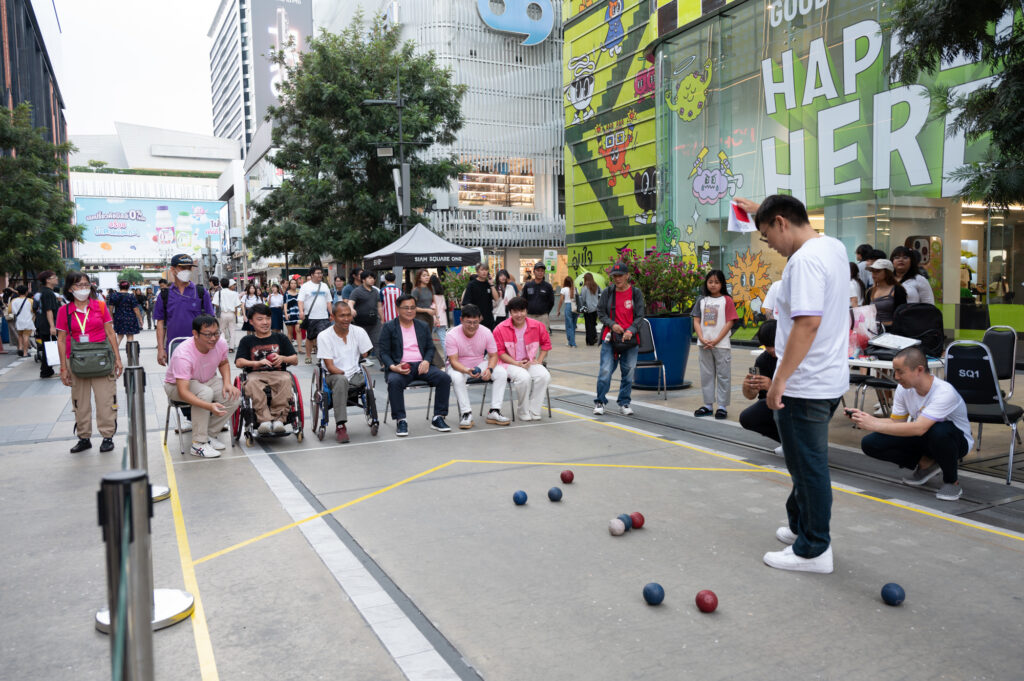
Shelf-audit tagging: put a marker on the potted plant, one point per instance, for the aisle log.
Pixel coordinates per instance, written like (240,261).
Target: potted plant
(454,286)
(670,289)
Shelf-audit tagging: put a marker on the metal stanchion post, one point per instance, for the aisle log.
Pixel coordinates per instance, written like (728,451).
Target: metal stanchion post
(132,350)
(125,508)
(135,387)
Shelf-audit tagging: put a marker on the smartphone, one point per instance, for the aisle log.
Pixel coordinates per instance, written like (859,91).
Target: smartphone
(754,371)
(848,412)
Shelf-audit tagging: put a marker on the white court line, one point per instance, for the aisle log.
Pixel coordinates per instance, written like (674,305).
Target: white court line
(408,647)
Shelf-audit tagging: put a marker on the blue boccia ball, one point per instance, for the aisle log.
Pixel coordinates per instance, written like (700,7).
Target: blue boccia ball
(893,594)
(555,494)
(627,521)
(654,594)
(519,497)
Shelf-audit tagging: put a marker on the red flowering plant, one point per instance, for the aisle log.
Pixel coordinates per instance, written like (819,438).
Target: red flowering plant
(668,285)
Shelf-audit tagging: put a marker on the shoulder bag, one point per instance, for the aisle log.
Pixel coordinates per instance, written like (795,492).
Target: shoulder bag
(305,322)
(89,360)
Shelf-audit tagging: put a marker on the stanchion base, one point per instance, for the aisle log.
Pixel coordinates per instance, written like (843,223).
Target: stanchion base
(170,606)
(160,492)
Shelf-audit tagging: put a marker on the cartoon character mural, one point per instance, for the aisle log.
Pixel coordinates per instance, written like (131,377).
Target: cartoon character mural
(586,4)
(748,278)
(711,185)
(580,92)
(516,18)
(616,34)
(613,140)
(692,94)
(645,191)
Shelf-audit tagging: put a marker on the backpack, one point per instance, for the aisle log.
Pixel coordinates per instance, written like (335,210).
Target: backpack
(923,322)
(165,294)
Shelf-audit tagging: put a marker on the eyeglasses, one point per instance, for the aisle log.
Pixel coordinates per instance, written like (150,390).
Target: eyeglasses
(406,307)
(211,335)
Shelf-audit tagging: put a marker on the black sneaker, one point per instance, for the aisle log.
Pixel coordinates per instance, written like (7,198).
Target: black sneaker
(83,444)
(439,424)
(703,411)
(401,428)
(107,445)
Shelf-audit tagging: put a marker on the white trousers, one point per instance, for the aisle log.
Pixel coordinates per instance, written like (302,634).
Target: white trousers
(530,386)
(498,375)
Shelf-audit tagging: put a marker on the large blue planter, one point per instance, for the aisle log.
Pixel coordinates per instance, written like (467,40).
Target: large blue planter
(672,339)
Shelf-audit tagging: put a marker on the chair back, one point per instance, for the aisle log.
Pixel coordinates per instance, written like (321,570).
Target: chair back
(972,372)
(646,340)
(923,322)
(1002,341)
(173,345)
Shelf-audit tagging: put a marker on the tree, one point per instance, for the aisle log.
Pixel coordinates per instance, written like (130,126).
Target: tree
(337,194)
(35,213)
(131,275)
(936,30)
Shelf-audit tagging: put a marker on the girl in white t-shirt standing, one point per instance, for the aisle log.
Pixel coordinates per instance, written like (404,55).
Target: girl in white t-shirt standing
(714,314)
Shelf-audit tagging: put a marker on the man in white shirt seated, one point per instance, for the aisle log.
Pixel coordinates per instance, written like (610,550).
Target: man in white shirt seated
(928,431)
(342,347)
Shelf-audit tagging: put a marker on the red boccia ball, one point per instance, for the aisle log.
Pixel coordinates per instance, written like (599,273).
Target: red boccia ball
(272,356)
(707,601)
(638,520)
(567,477)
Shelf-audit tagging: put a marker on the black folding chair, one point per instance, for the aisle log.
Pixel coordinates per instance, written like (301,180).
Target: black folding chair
(970,368)
(176,405)
(416,383)
(647,346)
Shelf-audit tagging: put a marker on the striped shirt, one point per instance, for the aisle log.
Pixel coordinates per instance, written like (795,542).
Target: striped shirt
(388,295)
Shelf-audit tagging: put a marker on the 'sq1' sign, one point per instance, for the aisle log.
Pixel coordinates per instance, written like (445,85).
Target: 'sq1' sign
(517,19)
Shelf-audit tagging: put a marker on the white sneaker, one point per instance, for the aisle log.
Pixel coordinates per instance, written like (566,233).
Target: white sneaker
(787,560)
(525,416)
(204,451)
(217,444)
(265,428)
(466,422)
(598,409)
(277,426)
(494,417)
(778,451)
(626,410)
(186,425)
(287,429)
(785,535)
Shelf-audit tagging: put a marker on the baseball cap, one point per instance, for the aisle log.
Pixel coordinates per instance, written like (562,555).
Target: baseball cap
(619,268)
(181,259)
(539,266)
(881,264)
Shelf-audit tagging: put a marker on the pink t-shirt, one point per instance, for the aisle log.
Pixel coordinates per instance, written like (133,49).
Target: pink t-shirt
(471,351)
(410,346)
(89,323)
(520,343)
(188,363)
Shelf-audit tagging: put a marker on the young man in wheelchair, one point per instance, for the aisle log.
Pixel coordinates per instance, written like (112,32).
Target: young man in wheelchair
(265,356)
(341,347)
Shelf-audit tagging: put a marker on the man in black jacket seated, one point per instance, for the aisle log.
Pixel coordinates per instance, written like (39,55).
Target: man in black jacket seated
(758,417)
(406,351)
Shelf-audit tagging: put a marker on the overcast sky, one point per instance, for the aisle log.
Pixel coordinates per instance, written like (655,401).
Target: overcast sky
(137,61)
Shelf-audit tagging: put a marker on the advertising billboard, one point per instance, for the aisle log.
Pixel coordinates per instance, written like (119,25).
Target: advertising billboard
(146,229)
(277,25)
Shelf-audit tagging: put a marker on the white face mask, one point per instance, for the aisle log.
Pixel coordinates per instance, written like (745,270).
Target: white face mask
(184,275)
(81,293)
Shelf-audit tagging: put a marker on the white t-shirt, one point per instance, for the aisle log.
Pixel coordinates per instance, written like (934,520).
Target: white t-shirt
(712,315)
(226,299)
(942,403)
(500,303)
(814,283)
(345,355)
(918,290)
(314,299)
(567,296)
(769,303)
(855,293)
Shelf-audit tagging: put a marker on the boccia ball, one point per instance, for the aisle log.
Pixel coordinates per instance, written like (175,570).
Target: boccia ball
(272,357)
(707,601)
(638,520)
(555,494)
(627,521)
(893,594)
(654,594)
(567,477)
(519,497)
(616,526)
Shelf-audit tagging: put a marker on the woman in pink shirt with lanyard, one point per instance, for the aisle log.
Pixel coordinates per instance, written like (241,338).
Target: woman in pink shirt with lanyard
(88,320)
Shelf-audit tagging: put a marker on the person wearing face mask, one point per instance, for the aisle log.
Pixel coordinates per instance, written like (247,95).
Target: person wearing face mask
(177,305)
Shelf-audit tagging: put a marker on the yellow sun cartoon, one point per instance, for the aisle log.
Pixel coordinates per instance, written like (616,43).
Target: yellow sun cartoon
(748,277)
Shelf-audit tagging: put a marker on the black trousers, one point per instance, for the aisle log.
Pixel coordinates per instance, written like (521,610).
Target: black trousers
(397,383)
(590,322)
(944,443)
(760,419)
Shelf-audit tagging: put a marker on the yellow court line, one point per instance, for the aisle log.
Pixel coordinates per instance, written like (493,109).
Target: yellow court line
(576,464)
(204,647)
(769,469)
(328,511)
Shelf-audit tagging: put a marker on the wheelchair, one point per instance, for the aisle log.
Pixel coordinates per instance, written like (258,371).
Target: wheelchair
(243,421)
(321,400)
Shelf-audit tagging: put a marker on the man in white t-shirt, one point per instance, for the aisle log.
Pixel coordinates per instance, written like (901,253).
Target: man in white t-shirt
(472,353)
(812,374)
(315,301)
(341,348)
(928,430)
(225,302)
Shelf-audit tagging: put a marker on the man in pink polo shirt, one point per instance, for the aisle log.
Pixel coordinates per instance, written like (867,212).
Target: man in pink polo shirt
(472,354)
(199,373)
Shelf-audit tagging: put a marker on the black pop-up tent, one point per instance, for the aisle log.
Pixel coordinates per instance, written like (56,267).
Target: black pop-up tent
(419,247)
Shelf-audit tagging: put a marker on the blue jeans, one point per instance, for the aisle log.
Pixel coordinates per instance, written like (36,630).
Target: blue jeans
(570,324)
(626,362)
(803,430)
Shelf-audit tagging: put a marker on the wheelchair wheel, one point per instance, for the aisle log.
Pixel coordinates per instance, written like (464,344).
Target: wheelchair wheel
(316,397)
(236,417)
(370,410)
(300,409)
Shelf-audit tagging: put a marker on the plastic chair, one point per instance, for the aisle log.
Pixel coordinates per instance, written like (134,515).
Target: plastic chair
(647,346)
(176,405)
(970,368)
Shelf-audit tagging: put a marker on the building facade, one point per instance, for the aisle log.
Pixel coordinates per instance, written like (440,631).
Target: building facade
(759,98)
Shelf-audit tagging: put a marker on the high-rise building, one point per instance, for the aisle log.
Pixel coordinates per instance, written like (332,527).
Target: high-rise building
(231,73)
